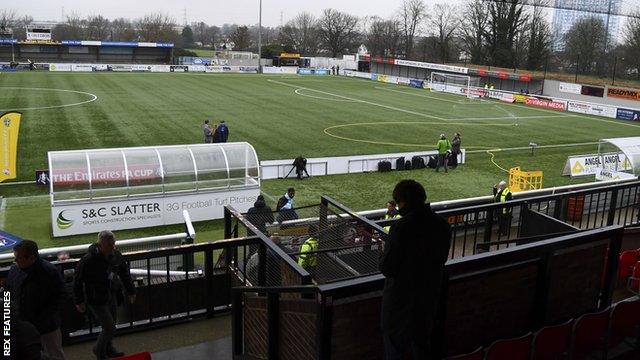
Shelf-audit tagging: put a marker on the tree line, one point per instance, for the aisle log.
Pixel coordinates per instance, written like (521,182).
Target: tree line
(503,33)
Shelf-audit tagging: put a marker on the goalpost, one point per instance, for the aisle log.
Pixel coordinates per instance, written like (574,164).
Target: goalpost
(456,84)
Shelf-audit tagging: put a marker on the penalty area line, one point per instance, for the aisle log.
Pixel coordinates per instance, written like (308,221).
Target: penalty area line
(359,100)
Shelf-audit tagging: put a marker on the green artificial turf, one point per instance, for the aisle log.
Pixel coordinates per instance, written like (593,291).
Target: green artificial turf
(282,117)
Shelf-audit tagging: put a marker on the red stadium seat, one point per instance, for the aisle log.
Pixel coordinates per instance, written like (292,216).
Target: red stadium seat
(625,322)
(552,342)
(627,260)
(476,355)
(512,349)
(589,334)
(138,356)
(633,282)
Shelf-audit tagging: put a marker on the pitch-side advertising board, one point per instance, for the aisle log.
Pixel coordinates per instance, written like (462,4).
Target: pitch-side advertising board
(87,218)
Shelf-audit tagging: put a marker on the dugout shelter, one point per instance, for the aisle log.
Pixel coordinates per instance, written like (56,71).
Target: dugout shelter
(84,51)
(620,155)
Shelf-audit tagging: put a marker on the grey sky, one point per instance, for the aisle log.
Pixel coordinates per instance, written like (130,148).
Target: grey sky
(214,12)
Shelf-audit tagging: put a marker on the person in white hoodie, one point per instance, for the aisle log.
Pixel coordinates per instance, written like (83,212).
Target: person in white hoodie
(285,206)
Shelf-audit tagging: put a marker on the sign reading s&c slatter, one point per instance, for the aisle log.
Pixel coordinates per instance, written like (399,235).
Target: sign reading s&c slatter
(153,211)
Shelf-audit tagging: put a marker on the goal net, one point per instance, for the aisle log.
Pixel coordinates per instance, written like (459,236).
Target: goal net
(456,84)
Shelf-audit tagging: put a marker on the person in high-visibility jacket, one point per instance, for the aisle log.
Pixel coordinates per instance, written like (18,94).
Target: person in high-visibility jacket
(502,194)
(444,147)
(392,213)
(308,258)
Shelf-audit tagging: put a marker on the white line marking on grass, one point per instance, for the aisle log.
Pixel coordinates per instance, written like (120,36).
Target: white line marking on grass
(297,91)
(360,101)
(17,183)
(93,98)
(430,97)
(3,206)
(539,147)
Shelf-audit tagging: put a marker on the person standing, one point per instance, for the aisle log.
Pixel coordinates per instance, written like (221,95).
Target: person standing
(502,194)
(221,134)
(308,257)
(456,144)
(392,213)
(413,265)
(259,215)
(37,289)
(99,278)
(285,206)
(443,146)
(208,133)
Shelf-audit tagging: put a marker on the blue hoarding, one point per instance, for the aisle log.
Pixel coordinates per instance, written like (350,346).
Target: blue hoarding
(628,114)
(416,83)
(8,241)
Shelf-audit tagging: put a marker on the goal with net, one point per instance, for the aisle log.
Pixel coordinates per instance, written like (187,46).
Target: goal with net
(456,84)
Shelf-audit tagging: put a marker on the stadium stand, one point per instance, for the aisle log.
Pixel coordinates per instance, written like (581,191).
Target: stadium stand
(518,284)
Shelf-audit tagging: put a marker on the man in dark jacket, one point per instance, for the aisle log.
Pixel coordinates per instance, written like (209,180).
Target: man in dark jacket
(99,278)
(413,264)
(259,215)
(221,134)
(38,293)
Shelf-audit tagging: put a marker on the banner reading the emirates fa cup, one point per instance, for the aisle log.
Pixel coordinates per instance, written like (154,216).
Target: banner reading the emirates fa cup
(9,129)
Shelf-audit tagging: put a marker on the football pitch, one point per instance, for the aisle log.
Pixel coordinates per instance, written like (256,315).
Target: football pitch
(283,117)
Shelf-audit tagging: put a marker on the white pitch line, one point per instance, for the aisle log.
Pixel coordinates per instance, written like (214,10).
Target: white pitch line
(94,97)
(297,91)
(3,206)
(18,183)
(459,102)
(528,147)
(360,101)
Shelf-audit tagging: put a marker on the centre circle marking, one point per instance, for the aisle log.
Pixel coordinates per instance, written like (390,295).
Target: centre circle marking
(327,131)
(93,98)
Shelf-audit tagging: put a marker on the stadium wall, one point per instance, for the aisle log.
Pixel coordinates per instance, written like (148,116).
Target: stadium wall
(572,91)
(534,86)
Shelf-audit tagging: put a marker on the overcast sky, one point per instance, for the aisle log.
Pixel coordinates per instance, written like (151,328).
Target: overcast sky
(213,12)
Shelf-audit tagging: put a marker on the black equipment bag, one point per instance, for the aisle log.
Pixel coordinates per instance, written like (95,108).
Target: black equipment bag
(407,165)
(417,162)
(384,166)
(400,163)
(432,163)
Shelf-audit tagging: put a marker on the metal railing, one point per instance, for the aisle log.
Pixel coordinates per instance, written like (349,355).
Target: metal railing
(184,294)
(473,227)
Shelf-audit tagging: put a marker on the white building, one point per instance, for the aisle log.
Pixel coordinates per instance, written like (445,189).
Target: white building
(563,20)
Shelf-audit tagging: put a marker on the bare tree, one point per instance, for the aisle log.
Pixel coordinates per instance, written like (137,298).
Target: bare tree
(122,30)
(157,27)
(506,21)
(20,28)
(632,42)
(98,28)
(539,37)
(445,22)
(74,27)
(337,31)
(384,37)
(301,33)
(8,19)
(412,13)
(584,44)
(212,36)
(473,25)
(241,38)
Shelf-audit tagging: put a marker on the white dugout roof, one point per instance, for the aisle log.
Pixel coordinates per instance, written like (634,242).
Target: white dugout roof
(87,175)
(630,146)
